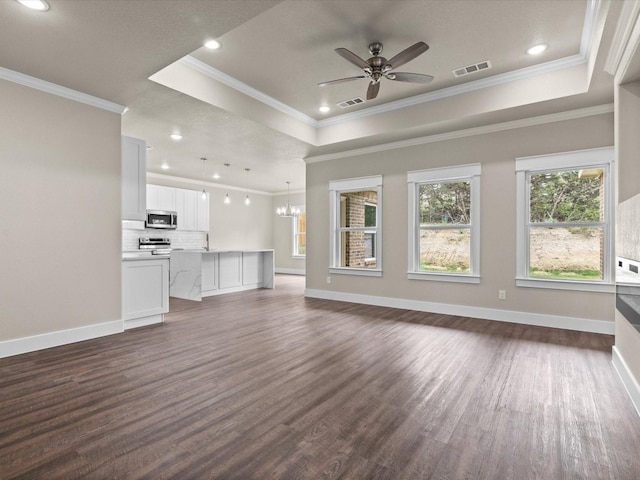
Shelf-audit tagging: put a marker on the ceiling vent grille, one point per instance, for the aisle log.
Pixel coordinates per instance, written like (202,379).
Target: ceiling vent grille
(476,67)
(350,103)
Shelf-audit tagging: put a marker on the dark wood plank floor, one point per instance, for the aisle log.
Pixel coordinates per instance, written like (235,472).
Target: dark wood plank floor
(269,385)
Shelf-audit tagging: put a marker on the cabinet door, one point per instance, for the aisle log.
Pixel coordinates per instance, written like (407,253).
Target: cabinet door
(202,220)
(134,178)
(251,268)
(145,288)
(230,269)
(161,198)
(209,271)
(186,206)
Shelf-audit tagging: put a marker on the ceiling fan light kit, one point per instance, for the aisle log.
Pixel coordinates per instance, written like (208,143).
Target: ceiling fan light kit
(376,68)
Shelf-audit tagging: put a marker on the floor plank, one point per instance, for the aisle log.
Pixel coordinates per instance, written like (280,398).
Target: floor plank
(267,384)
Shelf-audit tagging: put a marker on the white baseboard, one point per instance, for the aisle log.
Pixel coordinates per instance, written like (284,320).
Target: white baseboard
(239,288)
(143,322)
(17,346)
(628,380)
(291,271)
(537,319)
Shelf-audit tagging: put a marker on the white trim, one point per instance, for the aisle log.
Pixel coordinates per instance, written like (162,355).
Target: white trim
(526,318)
(445,173)
(239,288)
(236,84)
(468,132)
(143,321)
(576,285)
(60,91)
(365,272)
(291,271)
(33,343)
(626,22)
(628,380)
(444,277)
(563,160)
(355,184)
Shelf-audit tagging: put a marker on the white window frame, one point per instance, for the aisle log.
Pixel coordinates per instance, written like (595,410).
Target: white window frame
(574,160)
(461,173)
(295,233)
(336,188)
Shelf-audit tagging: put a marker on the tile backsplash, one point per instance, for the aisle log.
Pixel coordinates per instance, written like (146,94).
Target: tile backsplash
(179,239)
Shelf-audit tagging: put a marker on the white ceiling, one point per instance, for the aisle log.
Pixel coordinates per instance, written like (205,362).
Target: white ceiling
(253,103)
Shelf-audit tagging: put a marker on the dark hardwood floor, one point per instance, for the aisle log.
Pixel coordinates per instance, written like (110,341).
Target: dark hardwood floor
(266,384)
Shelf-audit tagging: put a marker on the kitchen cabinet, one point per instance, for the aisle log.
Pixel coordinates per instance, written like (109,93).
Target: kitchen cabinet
(201,273)
(145,291)
(187,208)
(202,217)
(133,178)
(161,198)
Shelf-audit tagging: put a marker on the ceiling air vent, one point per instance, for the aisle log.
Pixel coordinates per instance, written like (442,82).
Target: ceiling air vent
(476,67)
(350,103)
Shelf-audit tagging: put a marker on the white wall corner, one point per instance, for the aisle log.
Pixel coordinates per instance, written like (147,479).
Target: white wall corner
(628,380)
(510,316)
(18,346)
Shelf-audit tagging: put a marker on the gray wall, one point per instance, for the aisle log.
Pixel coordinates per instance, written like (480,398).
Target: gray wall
(283,235)
(496,152)
(60,213)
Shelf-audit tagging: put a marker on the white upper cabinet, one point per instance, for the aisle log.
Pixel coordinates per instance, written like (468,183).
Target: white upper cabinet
(192,209)
(134,178)
(161,198)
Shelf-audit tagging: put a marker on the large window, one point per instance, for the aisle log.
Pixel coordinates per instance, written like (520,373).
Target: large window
(356,226)
(444,206)
(300,233)
(564,220)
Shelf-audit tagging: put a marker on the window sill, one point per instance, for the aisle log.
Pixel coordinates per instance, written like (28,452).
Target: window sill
(581,286)
(366,272)
(298,257)
(444,277)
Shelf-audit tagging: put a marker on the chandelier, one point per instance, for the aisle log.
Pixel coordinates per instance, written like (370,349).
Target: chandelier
(288,210)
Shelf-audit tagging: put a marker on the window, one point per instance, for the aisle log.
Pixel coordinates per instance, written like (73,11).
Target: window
(444,211)
(564,230)
(300,233)
(356,228)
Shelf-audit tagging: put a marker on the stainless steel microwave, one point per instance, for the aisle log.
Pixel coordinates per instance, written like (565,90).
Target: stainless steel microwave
(161,219)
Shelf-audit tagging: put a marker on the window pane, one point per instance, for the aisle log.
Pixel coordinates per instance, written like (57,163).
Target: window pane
(301,244)
(445,203)
(446,251)
(352,208)
(301,222)
(569,196)
(566,253)
(354,251)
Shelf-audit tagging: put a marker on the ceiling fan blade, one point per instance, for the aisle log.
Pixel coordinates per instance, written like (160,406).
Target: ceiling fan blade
(372,91)
(410,77)
(408,54)
(352,57)
(340,80)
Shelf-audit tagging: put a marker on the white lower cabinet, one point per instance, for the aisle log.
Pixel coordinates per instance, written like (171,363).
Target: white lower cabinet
(145,291)
(230,269)
(209,273)
(251,268)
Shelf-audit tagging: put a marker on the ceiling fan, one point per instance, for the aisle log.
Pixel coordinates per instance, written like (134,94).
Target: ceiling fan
(378,67)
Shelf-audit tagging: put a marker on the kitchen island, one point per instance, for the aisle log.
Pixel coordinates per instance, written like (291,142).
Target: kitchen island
(202,273)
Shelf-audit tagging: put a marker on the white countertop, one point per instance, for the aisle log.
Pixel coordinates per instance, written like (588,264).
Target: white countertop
(215,250)
(142,255)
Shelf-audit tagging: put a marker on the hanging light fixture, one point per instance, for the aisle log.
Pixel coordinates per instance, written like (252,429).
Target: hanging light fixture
(227,200)
(204,192)
(288,211)
(246,200)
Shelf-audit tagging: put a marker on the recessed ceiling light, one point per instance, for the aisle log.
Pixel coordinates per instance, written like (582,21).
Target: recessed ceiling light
(216,176)
(324,109)
(537,49)
(40,5)
(164,166)
(176,136)
(212,44)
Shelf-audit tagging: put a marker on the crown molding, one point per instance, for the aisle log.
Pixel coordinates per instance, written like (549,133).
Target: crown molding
(60,91)
(200,183)
(468,132)
(236,84)
(626,22)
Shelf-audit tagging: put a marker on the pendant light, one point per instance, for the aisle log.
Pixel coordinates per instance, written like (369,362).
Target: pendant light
(288,211)
(247,202)
(204,192)
(227,200)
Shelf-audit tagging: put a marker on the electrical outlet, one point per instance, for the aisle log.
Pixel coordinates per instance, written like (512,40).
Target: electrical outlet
(502,295)
(328,279)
